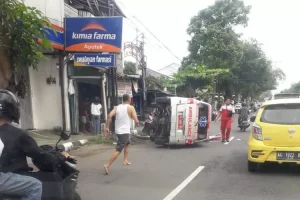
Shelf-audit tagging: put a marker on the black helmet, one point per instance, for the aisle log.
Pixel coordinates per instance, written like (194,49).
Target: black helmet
(243,104)
(9,106)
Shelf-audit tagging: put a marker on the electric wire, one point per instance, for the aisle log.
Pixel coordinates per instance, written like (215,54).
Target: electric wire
(143,25)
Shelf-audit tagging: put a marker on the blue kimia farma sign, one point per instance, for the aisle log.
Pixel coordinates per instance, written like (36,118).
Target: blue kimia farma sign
(93,34)
(94,60)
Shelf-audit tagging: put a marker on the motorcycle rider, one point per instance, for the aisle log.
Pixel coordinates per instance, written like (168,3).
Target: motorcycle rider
(14,184)
(18,145)
(243,113)
(27,187)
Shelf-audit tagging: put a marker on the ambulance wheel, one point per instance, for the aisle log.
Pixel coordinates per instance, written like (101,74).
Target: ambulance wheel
(252,166)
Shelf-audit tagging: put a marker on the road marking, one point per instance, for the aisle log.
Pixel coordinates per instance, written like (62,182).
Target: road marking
(229,140)
(184,184)
(238,139)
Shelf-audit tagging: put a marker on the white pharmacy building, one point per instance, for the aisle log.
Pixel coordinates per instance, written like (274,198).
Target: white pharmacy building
(42,107)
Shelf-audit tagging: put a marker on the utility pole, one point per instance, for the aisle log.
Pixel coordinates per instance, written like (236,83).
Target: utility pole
(112,77)
(112,71)
(115,81)
(137,51)
(214,94)
(62,87)
(143,63)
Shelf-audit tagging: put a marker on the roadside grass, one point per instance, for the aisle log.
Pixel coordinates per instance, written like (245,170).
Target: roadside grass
(100,139)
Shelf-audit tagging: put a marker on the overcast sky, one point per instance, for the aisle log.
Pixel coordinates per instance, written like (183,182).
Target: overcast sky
(274,23)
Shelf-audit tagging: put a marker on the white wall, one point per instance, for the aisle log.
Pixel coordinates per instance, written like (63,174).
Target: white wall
(46,99)
(53,9)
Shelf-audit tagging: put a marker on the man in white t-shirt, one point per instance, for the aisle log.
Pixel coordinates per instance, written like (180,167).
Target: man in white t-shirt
(96,114)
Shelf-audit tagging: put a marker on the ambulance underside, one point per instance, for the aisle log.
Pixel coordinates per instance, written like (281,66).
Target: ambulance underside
(182,124)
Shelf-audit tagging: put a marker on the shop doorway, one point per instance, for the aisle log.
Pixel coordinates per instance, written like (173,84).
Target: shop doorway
(87,90)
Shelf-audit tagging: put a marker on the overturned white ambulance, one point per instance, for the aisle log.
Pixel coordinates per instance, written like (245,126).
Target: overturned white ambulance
(181,121)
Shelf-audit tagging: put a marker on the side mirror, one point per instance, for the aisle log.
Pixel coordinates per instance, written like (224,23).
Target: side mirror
(64,135)
(252,119)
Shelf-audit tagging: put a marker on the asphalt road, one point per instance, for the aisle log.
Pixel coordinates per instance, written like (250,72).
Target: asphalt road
(211,171)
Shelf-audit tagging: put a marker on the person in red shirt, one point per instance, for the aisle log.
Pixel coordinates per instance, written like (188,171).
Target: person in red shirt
(227,115)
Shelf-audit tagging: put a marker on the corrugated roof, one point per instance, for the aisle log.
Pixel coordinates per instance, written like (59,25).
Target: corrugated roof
(97,7)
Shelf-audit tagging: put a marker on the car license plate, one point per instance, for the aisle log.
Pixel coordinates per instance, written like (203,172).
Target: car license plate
(288,155)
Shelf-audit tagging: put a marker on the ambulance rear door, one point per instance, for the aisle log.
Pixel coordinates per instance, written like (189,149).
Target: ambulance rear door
(204,119)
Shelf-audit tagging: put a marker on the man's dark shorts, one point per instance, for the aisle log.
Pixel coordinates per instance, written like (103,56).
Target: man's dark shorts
(123,140)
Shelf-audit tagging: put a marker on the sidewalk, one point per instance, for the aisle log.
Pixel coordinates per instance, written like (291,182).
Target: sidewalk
(43,137)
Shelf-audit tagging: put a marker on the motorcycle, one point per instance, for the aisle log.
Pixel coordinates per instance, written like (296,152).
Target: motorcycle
(67,170)
(244,124)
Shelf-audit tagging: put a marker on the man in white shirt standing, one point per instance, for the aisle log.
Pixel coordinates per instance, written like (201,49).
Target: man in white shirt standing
(96,114)
(124,114)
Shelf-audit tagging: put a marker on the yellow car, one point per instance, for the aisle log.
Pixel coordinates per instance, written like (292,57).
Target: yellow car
(275,134)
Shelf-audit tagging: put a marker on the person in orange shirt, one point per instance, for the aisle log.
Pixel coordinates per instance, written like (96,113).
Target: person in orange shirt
(227,115)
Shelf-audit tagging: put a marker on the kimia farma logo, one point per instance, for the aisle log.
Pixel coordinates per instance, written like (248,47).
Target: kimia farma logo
(95,35)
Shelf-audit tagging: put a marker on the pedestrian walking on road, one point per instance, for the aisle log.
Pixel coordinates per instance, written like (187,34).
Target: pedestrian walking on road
(227,115)
(124,114)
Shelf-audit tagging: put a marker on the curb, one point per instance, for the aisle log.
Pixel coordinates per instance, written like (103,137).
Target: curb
(68,146)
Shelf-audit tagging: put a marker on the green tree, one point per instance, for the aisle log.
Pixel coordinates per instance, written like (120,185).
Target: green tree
(129,68)
(153,83)
(167,82)
(255,74)
(191,78)
(214,43)
(265,95)
(295,88)
(20,28)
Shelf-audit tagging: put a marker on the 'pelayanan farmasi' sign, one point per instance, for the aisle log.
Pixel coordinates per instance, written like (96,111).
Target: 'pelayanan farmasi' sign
(94,60)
